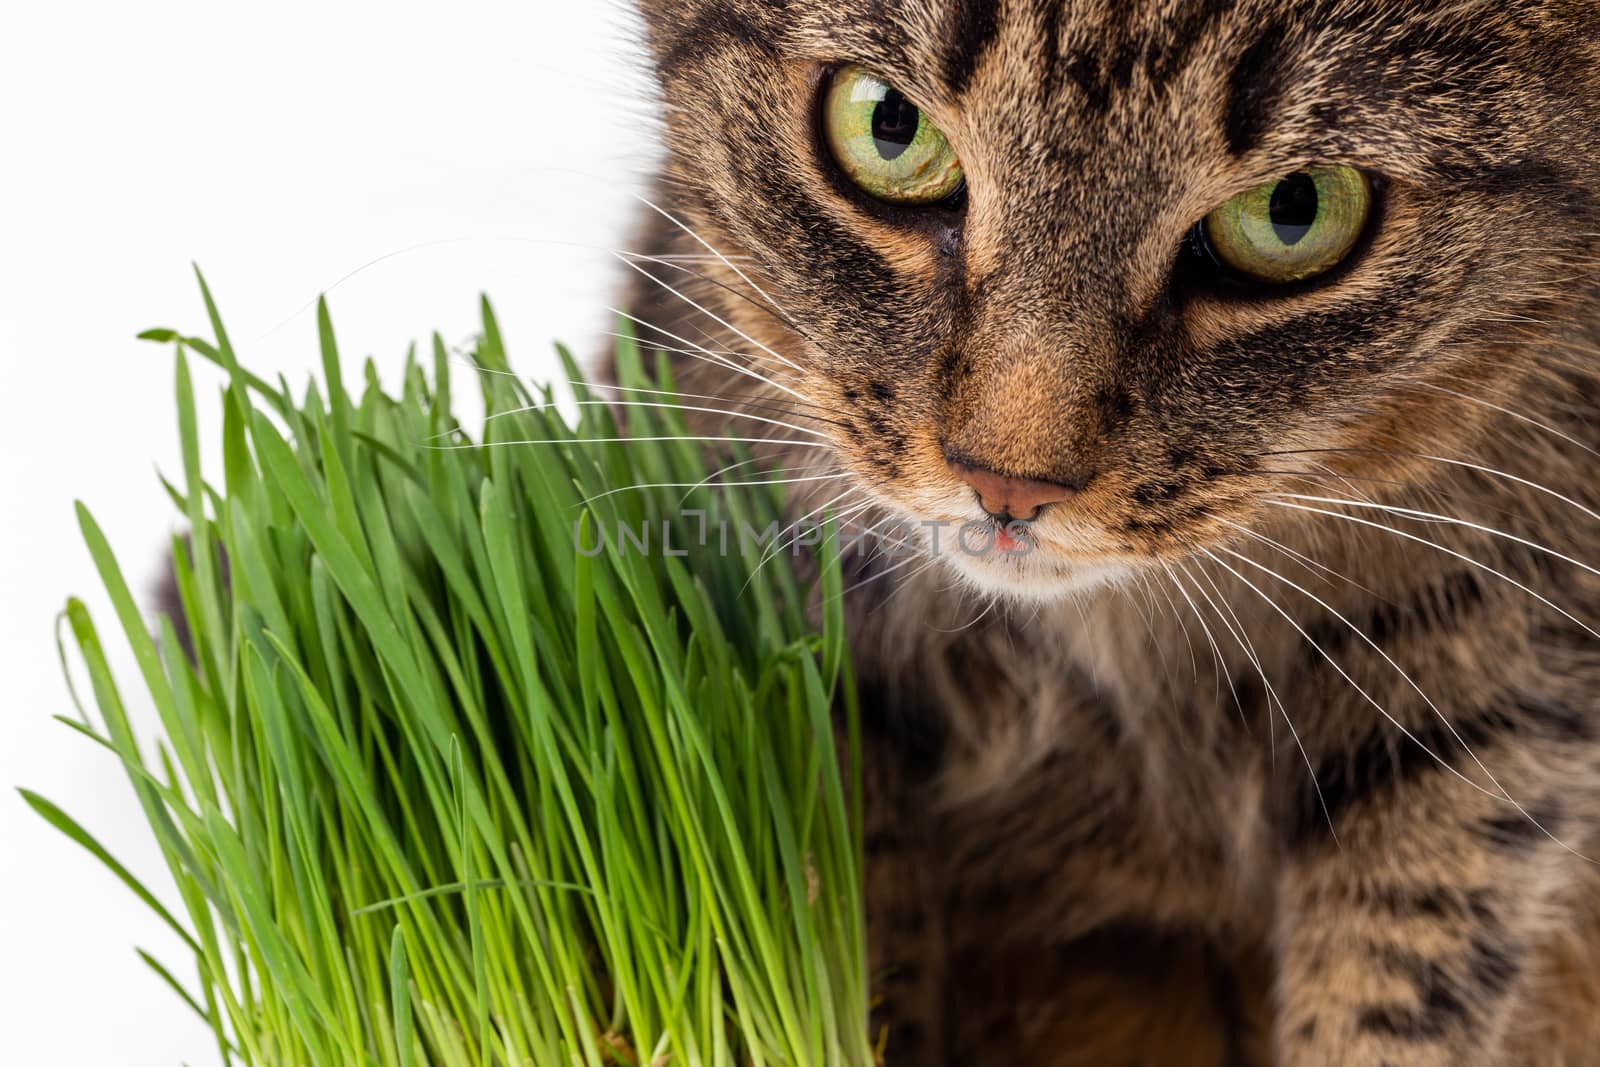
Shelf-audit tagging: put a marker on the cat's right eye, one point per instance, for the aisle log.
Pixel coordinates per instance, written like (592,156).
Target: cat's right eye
(885,143)
(1293,229)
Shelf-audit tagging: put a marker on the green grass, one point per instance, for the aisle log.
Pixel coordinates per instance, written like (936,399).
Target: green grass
(439,788)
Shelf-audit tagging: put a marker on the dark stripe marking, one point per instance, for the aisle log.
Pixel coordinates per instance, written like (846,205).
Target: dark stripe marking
(1443,995)
(1439,902)
(1434,608)
(707,32)
(1386,759)
(1516,832)
(1253,90)
(1165,58)
(974,25)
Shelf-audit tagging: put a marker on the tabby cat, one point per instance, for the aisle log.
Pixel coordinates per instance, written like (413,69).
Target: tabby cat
(1258,342)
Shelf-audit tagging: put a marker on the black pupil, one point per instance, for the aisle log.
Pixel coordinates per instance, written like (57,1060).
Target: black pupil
(1294,208)
(894,124)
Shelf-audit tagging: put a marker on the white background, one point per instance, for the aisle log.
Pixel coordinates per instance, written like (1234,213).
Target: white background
(450,148)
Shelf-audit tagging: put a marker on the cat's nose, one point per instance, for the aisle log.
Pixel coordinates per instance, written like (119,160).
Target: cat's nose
(1009,498)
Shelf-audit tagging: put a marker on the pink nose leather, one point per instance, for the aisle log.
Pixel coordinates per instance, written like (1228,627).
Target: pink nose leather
(1020,498)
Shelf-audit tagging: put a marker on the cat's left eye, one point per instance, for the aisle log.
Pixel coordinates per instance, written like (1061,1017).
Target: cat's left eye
(885,143)
(1293,229)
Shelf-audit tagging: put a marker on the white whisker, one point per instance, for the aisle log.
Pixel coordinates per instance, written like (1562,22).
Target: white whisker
(1289,722)
(686,228)
(717,360)
(1498,792)
(1218,661)
(1463,557)
(713,316)
(763,482)
(753,399)
(719,357)
(762,306)
(1242,639)
(1479,467)
(686,407)
(635,440)
(1512,414)
(1194,663)
(1448,520)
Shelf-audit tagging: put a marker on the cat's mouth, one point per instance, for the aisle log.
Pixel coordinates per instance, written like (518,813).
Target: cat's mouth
(1015,539)
(1019,562)
(997,556)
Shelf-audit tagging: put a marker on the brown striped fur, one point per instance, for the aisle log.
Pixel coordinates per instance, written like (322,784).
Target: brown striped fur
(1140,800)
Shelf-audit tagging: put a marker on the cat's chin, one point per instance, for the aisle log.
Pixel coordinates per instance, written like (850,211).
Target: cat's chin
(1033,578)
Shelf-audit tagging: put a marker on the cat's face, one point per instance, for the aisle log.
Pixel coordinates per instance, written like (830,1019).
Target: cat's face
(1056,319)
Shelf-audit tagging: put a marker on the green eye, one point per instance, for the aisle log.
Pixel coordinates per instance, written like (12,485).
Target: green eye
(885,143)
(1294,229)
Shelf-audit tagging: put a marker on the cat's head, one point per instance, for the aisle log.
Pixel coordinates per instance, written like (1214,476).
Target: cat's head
(1113,259)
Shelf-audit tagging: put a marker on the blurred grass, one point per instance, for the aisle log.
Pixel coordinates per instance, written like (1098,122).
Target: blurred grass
(440,788)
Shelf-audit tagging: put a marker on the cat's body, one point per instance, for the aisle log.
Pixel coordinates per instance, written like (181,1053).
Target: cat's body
(1289,787)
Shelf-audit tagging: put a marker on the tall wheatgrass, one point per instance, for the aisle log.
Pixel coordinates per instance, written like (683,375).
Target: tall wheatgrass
(442,783)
